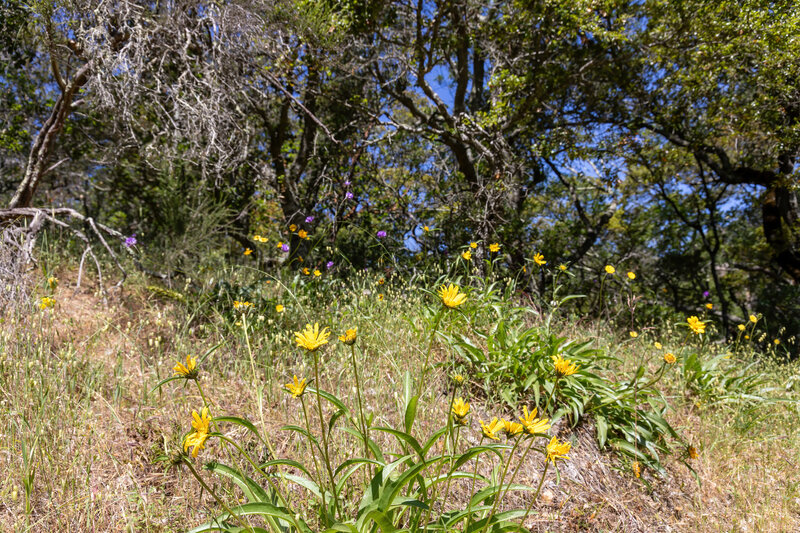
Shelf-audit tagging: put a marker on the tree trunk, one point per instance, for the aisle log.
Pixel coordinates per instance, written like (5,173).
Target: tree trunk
(40,151)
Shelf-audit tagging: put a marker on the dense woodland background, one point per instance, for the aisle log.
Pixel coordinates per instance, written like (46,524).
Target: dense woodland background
(661,137)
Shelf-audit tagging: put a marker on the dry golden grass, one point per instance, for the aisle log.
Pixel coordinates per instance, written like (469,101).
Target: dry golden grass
(74,393)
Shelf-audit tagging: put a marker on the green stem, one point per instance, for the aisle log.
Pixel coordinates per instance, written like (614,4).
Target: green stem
(362,420)
(500,493)
(326,450)
(472,487)
(317,469)
(519,465)
(430,347)
(535,496)
(217,498)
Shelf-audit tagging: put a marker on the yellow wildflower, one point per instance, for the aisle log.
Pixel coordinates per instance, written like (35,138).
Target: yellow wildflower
(200,423)
(610,269)
(633,334)
(46,302)
(473,245)
(248,251)
(297,387)
(467,255)
(52,282)
(279,308)
(669,358)
(460,411)
(753,319)
(777,342)
(563,367)
(562,267)
(306,271)
(426,229)
(189,370)
(693,452)
(494,247)
(458,379)
(311,337)
(349,337)
(657,345)
(280,244)
(637,469)
(380,297)
(451,297)
(532,424)
(381,281)
(511,428)
(317,273)
(244,306)
(539,259)
(709,306)
(741,327)
(293,228)
(631,276)
(490,430)
(696,325)
(557,450)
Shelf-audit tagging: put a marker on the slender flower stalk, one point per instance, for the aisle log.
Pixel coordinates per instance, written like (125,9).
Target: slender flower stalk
(535,496)
(436,320)
(317,469)
(362,420)
(500,492)
(472,487)
(217,498)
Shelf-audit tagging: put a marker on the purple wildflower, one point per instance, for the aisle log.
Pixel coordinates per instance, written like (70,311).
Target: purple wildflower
(348,195)
(309,220)
(381,234)
(131,241)
(329,265)
(706,294)
(285,247)
(347,183)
